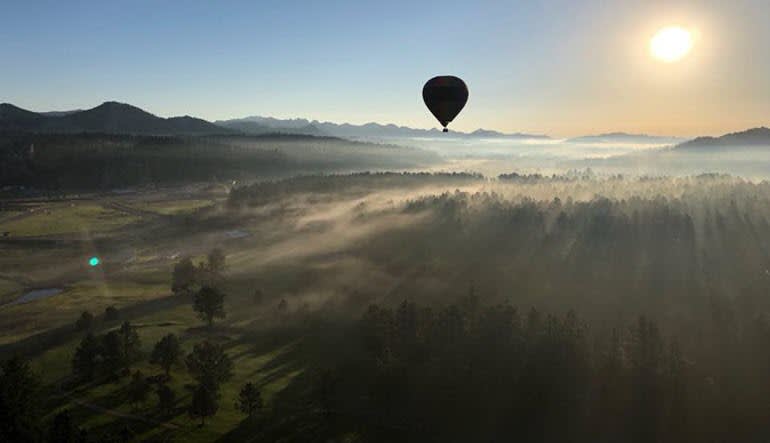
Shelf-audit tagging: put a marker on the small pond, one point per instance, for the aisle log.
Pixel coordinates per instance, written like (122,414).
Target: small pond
(36,294)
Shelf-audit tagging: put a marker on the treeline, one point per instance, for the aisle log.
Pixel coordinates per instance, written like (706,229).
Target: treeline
(264,192)
(96,161)
(468,372)
(662,239)
(571,175)
(104,161)
(322,154)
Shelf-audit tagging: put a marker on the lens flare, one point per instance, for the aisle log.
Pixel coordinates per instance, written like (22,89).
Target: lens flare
(94,261)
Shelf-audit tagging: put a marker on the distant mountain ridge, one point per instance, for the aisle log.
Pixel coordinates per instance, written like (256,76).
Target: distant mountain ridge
(60,113)
(744,153)
(108,118)
(315,127)
(749,138)
(623,137)
(120,118)
(259,128)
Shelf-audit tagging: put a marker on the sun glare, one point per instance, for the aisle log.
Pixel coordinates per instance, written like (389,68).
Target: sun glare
(671,44)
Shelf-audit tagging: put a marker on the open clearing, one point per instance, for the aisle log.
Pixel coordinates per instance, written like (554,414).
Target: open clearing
(66,218)
(139,238)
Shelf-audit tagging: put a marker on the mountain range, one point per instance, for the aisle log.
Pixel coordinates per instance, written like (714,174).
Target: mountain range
(754,137)
(108,118)
(745,153)
(120,118)
(258,125)
(271,125)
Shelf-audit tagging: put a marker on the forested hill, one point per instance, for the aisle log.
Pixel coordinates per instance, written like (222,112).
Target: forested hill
(92,161)
(749,138)
(107,118)
(745,153)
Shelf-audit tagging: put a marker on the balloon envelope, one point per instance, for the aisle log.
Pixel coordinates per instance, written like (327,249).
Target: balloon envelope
(445,96)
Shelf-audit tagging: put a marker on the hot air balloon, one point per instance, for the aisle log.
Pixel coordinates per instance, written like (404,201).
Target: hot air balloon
(445,96)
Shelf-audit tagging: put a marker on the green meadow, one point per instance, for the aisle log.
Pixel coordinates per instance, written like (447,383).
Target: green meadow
(138,239)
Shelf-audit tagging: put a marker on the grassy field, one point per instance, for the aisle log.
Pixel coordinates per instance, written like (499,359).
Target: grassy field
(23,320)
(66,218)
(258,363)
(173,207)
(287,251)
(138,284)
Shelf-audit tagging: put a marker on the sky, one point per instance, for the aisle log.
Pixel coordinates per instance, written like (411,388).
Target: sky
(562,68)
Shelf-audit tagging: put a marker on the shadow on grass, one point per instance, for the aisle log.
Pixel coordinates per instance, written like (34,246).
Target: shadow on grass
(132,423)
(36,344)
(294,413)
(286,359)
(289,357)
(291,417)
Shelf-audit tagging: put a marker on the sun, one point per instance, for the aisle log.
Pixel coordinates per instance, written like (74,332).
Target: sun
(671,44)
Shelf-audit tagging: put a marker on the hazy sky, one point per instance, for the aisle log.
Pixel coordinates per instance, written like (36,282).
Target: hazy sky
(558,67)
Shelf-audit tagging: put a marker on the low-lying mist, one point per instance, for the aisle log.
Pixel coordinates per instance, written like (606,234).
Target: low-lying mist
(494,156)
(629,302)
(554,240)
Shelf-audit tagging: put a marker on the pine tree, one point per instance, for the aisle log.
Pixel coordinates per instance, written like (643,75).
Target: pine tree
(85,322)
(138,389)
(19,402)
(131,344)
(85,360)
(166,353)
(249,399)
(166,398)
(112,353)
(184,277)
(111,313)
(204,403)
(209,304)
(209,365)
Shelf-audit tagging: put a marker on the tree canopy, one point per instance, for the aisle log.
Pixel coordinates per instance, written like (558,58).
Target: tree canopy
(166,352)
(209,303)
(209,364)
